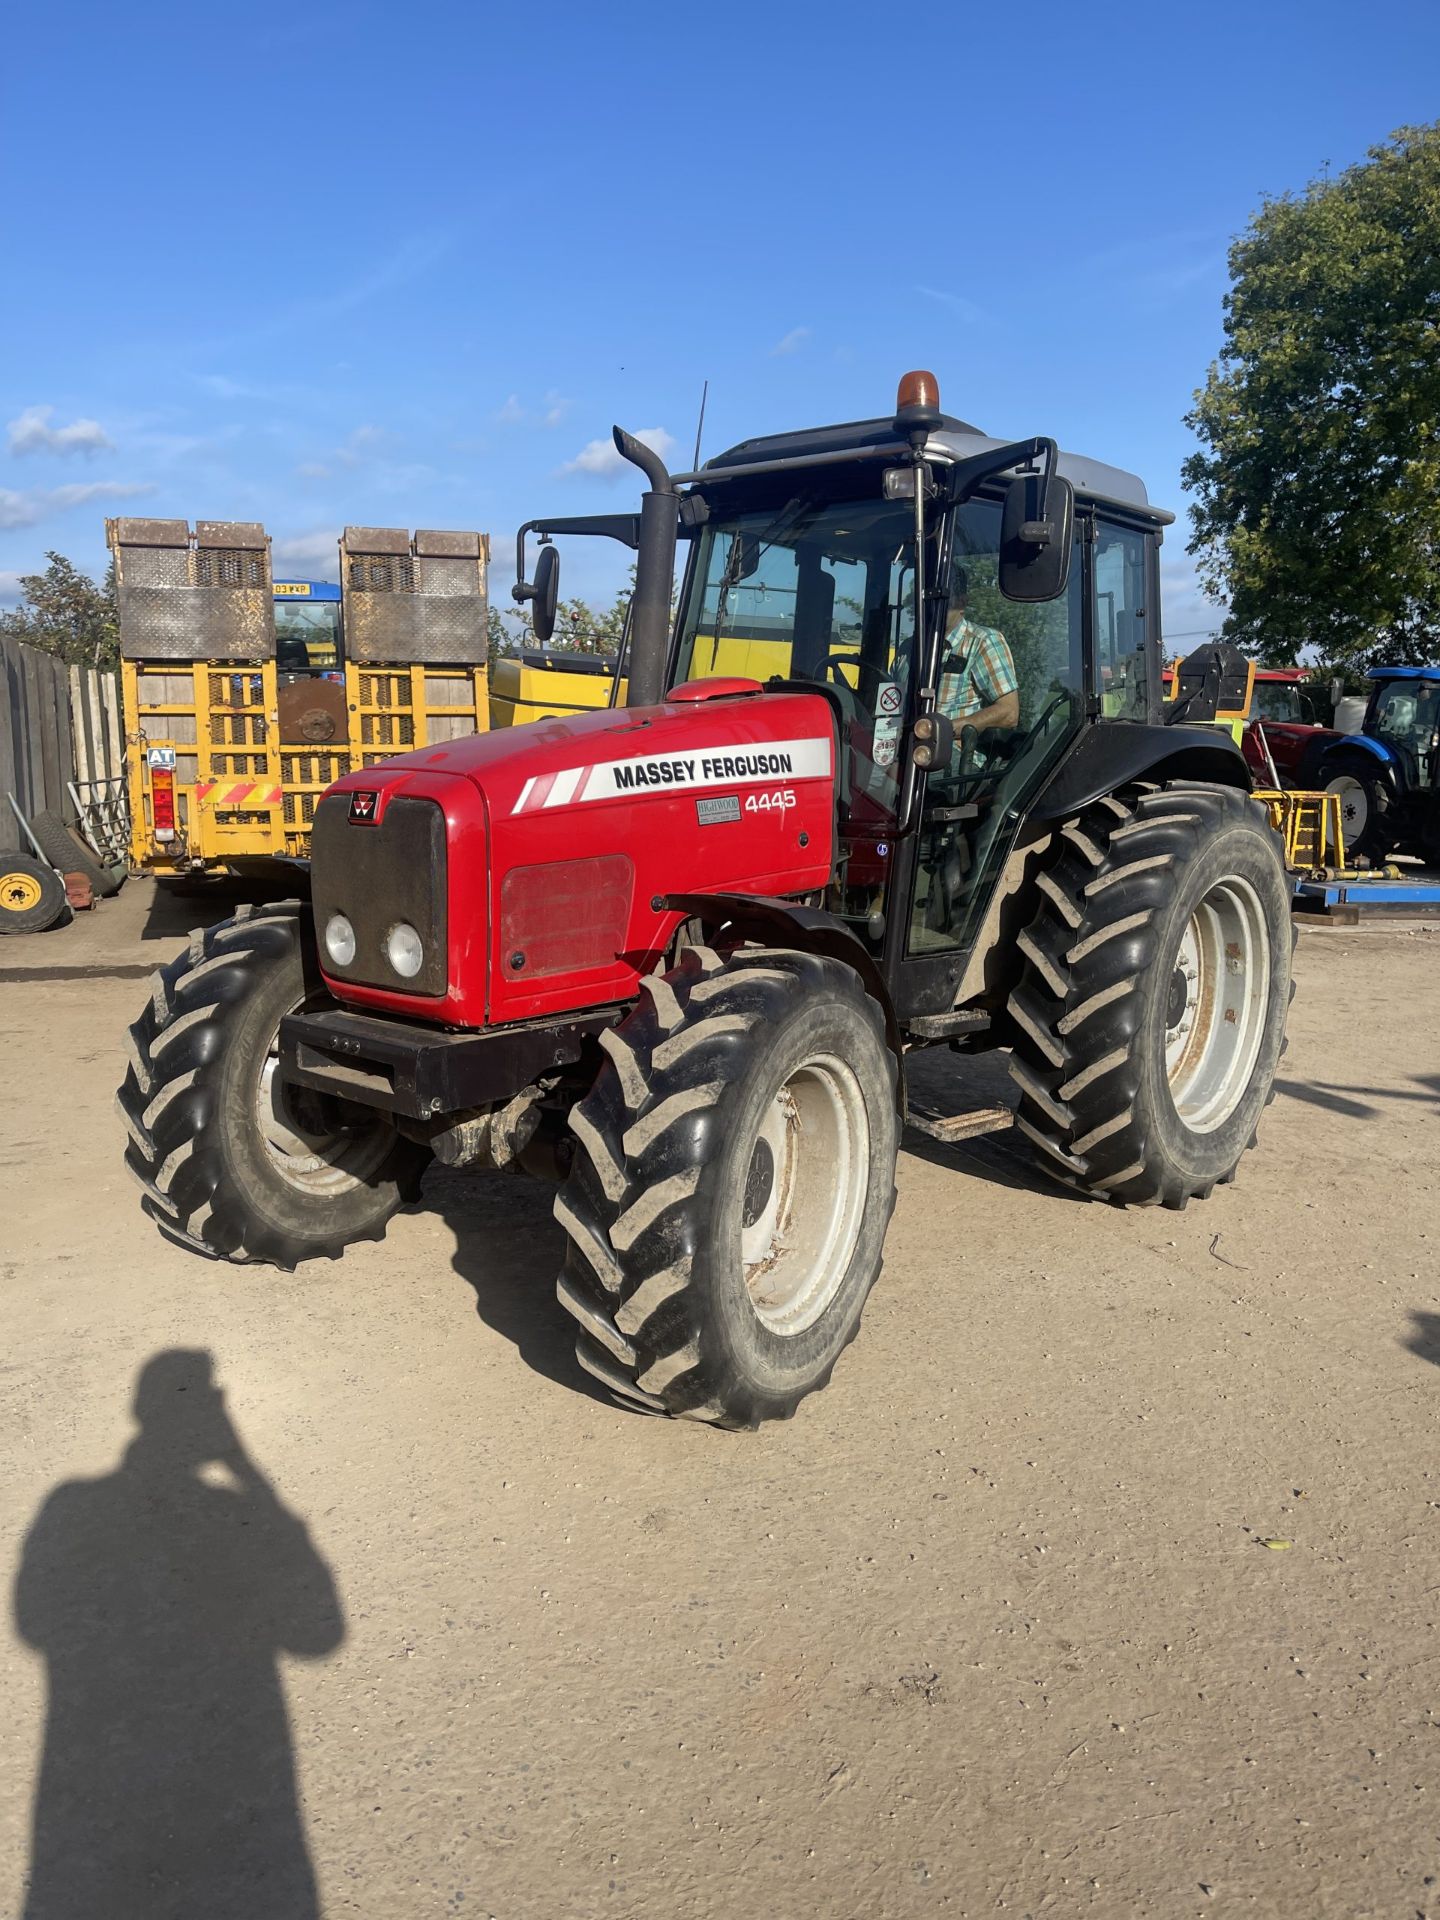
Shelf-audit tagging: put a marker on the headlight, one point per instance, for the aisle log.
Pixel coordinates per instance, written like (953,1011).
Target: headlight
(339,939)
(404,950)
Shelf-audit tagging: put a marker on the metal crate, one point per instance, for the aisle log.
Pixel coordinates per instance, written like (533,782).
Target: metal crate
(204,595)
(416,599)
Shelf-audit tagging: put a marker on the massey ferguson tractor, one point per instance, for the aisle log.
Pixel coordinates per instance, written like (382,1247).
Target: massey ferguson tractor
(894,777)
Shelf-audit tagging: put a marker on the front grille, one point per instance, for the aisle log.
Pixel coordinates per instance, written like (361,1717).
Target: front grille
(377,875)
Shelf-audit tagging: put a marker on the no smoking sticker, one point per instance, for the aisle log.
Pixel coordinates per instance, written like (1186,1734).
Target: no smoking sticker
(889,700)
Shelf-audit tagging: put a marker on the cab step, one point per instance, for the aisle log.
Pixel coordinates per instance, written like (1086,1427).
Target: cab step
(950,1127)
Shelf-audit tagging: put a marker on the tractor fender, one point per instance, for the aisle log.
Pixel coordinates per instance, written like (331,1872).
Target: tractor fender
(1108,757)
(1360,745)
(787,923)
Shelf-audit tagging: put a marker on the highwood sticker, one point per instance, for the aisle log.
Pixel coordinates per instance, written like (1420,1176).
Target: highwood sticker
(706,767)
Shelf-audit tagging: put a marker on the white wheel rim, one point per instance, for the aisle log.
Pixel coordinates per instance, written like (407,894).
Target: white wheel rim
(315,1160)
(1219,994)
(1354,806)
(805,1192)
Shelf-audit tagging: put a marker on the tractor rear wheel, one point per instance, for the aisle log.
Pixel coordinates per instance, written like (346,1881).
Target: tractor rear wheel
(1364,806)
(1150,1017)
(232,1161)
(733,1178)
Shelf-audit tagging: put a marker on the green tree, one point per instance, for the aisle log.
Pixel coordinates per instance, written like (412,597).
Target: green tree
(66,614)
(1317,482)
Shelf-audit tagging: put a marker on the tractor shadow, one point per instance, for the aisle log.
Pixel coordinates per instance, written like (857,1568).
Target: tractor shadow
(949,1083)
(1425,1336)
(508,1250)
(1358,1103)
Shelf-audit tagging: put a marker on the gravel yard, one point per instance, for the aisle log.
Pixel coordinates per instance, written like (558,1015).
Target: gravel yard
(1103,1579)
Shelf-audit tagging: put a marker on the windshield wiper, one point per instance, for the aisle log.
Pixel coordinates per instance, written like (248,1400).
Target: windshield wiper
(782,522)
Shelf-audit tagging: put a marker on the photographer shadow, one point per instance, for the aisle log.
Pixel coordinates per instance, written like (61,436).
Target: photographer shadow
(161,1596)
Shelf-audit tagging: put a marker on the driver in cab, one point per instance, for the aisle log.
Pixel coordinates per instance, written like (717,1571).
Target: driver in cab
(978,687)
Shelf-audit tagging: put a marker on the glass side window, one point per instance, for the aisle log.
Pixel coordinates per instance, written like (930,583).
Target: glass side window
(1405,711)
(1406,717)
(1121,596)
(1012,682)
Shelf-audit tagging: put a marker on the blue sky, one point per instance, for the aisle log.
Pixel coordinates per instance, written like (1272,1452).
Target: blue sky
(319,264)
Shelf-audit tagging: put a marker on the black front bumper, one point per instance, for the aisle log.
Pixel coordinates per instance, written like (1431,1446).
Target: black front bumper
(420,1071)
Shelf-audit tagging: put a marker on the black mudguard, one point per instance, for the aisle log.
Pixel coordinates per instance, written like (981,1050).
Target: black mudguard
(1112,755)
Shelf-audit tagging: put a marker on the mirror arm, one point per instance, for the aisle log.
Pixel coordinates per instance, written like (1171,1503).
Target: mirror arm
(1021,454)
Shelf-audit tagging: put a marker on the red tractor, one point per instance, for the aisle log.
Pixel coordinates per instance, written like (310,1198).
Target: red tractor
(896,776)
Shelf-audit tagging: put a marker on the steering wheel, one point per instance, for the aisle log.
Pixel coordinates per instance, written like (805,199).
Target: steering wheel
(833,662)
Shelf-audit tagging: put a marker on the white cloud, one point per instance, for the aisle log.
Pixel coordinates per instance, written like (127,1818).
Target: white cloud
(956,302)
(792,342)
(40,503)
(311,554)
(601,458)
(31,432)
(512,413)
(556,408)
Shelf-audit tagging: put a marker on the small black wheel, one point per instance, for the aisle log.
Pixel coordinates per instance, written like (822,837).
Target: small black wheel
(233,1161)
(1150,1017)
(734,1175)
(32,895)
(69,852)
(1364,806)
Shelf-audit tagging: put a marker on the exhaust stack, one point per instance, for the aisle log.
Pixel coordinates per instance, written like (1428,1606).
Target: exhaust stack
(654,574)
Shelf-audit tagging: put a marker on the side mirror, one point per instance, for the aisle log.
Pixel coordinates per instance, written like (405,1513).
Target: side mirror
(543,592)
(932,741)
(1037,526)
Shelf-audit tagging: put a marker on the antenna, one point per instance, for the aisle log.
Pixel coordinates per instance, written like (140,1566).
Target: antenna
(700,426)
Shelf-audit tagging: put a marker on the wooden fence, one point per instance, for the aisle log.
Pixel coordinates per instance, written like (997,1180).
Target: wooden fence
(59,726)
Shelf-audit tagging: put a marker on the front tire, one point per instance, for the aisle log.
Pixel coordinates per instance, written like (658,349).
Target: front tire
(1150,1017)
(733,1180)
(233,1162)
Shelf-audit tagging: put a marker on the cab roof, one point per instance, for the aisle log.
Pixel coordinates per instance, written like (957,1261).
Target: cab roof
(953,440)
(1403,673)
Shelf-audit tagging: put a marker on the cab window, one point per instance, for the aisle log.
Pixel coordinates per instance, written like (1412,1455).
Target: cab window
(307,636)
(1120,608)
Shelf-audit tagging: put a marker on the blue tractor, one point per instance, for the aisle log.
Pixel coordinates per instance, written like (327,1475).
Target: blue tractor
(1388,774)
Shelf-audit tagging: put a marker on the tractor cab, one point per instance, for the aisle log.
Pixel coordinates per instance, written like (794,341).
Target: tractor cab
(801,573)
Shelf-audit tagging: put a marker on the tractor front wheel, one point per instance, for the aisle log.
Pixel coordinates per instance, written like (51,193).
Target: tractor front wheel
(1150,1016)
(733,1179)
(233,1161)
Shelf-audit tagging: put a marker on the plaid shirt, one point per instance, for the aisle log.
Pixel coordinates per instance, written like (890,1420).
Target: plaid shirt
(989,671)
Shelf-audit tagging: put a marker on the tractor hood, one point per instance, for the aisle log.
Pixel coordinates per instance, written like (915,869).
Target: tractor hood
(531,864)
(711,733)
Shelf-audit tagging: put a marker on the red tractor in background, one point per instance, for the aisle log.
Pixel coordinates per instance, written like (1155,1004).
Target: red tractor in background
(896,777)
(1282,721)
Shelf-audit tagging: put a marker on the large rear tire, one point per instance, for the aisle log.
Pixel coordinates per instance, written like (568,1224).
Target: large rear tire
(233,1162)
(733,1179)
(1364,811)
(1150,1017)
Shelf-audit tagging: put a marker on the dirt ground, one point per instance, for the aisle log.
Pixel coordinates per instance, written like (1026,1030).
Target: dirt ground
(1104,1579)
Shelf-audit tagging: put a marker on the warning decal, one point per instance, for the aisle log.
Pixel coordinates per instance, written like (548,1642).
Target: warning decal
(701,767)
